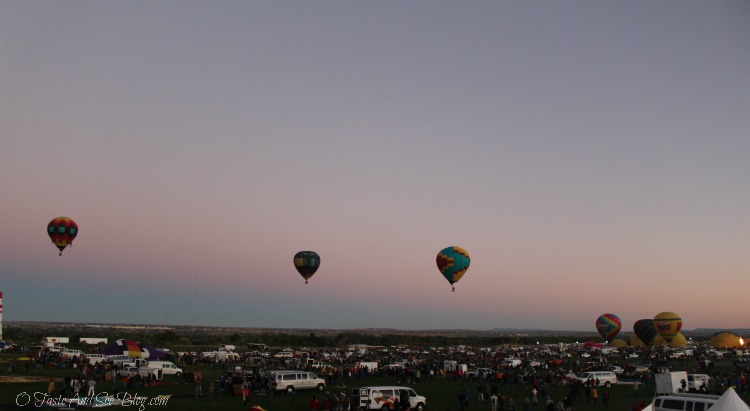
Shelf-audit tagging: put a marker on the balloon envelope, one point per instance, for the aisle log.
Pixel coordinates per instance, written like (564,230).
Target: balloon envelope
(678,341)
(645,330)
(725,339)
(62,231)
(453,263)
(635,341)
(618,342)
(306,263)
(667,324)
(608,325)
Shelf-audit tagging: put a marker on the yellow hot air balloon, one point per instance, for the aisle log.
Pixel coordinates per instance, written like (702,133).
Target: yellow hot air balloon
(725,339)
(635,341)
(678,341)
(618,342)
(667,324)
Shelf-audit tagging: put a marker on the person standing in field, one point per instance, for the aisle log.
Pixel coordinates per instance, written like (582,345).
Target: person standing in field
(314,405)
(92,388)
(594,395)
(245,392)
(198,379)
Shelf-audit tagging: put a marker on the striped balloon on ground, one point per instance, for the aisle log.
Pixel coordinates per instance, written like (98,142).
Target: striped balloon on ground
(608,326)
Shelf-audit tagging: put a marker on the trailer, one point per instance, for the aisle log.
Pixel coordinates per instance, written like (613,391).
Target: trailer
(92,340)
(671,382)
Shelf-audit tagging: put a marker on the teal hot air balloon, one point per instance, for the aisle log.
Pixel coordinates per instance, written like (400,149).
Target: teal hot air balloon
(453,263)
(306,263)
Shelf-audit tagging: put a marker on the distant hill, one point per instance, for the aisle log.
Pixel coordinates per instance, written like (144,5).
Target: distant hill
(712,331)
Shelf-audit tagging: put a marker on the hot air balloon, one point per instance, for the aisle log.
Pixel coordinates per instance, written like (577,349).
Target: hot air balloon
(678,341)
(453,263)
(618,343)
(306,263)
(645,331)
(62,231)
(635,341)
(608,326)
(667,324)
(725,339)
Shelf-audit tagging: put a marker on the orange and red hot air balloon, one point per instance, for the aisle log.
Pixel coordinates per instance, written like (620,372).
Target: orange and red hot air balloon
(62,231)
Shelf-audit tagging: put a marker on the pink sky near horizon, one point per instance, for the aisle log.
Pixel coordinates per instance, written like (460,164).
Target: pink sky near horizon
(591,160)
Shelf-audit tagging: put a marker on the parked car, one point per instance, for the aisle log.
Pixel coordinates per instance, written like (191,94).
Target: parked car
(480,373)
(642,367)
(128,371)
(616,369)
(293,380)
(698,382)
(605,378)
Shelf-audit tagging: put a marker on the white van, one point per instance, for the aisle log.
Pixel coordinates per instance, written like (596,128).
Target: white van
(384,398)
(71,353)
(605,378)
(684,402)
(166,367)
(96,358)
(119,359)
(293,380)
(698,382)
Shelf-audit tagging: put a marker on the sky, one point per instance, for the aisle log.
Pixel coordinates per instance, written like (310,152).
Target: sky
(592,157)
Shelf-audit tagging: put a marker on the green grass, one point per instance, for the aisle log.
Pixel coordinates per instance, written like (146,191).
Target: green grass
(441,393)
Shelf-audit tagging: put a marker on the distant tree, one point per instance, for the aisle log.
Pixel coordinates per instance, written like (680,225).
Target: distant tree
(166,337)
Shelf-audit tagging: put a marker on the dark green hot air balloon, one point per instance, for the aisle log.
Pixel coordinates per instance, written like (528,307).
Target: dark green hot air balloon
(645,330)
(306,263)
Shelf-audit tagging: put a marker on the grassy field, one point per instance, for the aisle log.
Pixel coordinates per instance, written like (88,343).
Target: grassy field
(441,394)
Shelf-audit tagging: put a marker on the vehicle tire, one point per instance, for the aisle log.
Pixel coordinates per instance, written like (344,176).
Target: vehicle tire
(179,374)
(290,389)
(386,407)
(607,384)
(419,407)
(321,387)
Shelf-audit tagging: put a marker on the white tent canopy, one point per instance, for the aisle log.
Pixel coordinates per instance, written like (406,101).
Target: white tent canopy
(730,401)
